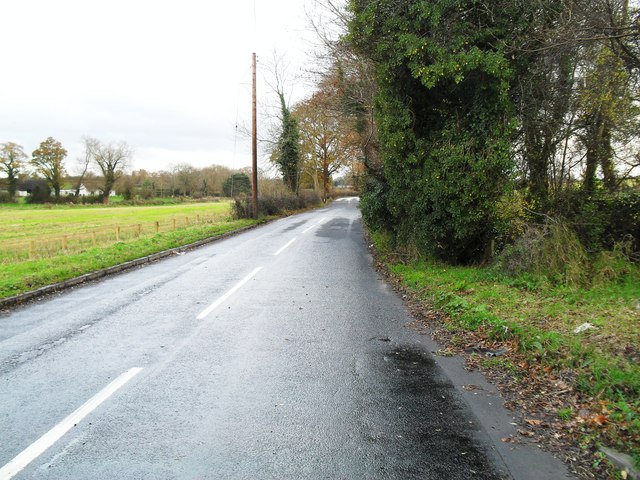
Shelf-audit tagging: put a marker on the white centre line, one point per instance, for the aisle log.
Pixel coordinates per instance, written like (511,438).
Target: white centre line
(315,225)
(284,248)
(38,447)
(233,290)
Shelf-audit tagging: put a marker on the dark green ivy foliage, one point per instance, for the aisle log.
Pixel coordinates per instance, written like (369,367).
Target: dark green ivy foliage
(445,120)
(287,154)
(237,184)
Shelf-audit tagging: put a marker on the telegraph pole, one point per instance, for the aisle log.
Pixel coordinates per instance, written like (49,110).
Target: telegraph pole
(254,143)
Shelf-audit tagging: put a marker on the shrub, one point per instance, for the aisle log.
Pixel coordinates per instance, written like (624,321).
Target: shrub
(373,204)
(91,199)
(512,218)
(272,205)
(6,198)
(39,195)
(552,250)
(602,220)
(614,265)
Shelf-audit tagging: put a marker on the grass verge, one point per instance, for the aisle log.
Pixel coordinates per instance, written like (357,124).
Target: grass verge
(28,275)
(584,387)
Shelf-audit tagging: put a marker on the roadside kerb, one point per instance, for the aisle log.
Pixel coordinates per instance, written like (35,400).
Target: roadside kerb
(87,277)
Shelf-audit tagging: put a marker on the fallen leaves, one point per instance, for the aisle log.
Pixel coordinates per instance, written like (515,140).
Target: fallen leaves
(599,420)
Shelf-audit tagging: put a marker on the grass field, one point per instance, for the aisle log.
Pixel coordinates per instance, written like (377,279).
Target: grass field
(30,233)
(40,246)
(25,222)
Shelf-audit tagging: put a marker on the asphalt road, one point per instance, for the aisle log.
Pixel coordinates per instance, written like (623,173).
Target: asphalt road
(278,353)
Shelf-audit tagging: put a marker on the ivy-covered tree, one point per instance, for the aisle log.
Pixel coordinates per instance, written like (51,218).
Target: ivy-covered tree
(47,159)
(287,152)
(445,118)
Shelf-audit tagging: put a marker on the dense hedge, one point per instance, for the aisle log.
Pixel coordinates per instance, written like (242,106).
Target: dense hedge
(602,220)
(445,122)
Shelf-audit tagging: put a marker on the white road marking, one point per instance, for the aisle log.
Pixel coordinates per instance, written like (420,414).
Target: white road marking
(233,290)
(315,225)
(285,247)
(38,447)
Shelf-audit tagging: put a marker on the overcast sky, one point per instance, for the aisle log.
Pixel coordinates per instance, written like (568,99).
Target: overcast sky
(170,78)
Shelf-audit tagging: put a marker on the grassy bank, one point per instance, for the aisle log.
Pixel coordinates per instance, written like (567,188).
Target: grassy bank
(586,385)
(28,275)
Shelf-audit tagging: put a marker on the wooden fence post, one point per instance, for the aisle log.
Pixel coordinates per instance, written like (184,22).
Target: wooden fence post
(174,225)
(32,249)
(139,229)
(93,238)
(64,242)
(117,234)
(157,227)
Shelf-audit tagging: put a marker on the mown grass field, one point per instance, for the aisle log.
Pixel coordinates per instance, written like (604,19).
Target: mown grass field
(89,240)
(32,233)
(24,222)
(536,320)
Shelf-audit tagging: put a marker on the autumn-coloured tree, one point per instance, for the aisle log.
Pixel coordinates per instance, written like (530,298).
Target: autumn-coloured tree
(329,139)
(12,158)
(47,160)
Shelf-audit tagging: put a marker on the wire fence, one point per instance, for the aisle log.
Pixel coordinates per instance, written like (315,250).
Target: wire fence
(51,246)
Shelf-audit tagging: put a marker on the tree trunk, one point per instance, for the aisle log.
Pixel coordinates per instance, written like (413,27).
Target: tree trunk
(13,184)
(108,186)
(325,174)
(538,167)
(606,160)
(599,152)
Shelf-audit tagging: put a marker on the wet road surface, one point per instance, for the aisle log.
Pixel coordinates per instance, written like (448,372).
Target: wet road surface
(278,353)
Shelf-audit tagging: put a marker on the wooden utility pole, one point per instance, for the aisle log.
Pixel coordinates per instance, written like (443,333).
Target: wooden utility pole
(254,143)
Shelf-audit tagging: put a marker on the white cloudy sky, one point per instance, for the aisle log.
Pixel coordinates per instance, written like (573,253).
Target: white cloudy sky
(168,77)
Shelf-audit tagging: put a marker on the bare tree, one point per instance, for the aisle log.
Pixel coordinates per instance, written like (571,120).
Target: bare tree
(111,159)
(186,178)
(90,146)
(351,74)
(329,140)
